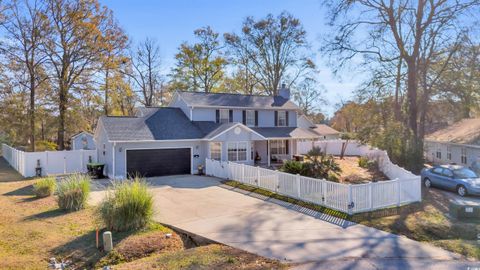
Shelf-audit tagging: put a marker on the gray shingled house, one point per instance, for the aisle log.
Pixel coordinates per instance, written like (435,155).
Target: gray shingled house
(195,126)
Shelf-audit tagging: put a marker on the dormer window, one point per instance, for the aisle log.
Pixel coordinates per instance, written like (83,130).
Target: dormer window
(224,116)
(282,118)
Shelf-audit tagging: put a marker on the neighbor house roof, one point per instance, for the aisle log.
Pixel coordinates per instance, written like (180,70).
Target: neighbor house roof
(160,124)
(201,99)
(80,133)
(324,130)
(285,132)
(466,131)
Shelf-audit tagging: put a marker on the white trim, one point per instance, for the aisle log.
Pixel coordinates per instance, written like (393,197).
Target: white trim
(80,133)
(237,124)
(456,144)
(248,108)
(158,148)
(113,157)
(143,141)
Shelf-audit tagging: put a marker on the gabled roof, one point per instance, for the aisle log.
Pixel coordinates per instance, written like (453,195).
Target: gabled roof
(160,124)
(80,133)
(322,129)
(466,131)
(285,132)
(201,99)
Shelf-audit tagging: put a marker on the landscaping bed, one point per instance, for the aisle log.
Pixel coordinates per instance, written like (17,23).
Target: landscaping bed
(352,173)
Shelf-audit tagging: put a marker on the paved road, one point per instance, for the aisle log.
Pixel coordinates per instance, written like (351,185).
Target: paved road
(289,233)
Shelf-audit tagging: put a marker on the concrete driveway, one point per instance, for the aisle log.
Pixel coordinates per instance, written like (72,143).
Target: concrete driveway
(274,229)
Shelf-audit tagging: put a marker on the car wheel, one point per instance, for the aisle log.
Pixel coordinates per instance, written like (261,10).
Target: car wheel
(427,183)
(461,190)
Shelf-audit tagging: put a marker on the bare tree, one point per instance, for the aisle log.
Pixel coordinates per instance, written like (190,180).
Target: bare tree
(25,27)
(308,95)
(403,29)
(144,69)
(275,49)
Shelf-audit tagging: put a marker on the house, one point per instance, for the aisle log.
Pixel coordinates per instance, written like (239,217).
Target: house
(83,140)
(458,143)
(177,139)
(324,132)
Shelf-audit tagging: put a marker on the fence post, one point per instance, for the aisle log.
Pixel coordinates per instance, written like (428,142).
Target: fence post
(370,195)
(297,181)
(258,176)
(399,192)
(324,191)
(243,174)
(350,197)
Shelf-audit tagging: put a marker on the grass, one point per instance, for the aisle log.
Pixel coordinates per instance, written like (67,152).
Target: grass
(426,221)
(73,192)
(128,206)
(44,187)
(205,257)
(32,230)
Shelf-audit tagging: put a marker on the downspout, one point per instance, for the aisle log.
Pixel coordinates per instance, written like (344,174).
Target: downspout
(113,157)
(191,113)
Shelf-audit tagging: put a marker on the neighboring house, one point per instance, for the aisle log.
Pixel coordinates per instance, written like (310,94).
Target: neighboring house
(195,126)
(458,143)
(83,140)
(324,132)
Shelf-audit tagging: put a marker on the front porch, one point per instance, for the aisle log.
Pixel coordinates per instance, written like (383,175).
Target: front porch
(273,152)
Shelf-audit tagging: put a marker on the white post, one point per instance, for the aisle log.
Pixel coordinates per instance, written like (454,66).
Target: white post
(83,153)
(243,174)
(324,191)
(276,182)
(350,197)
(64,163)
(297,180)
(399,192)
(258,176)
(370,195)
(268,153)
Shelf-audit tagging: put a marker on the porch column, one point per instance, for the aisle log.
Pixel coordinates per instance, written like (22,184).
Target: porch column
(268,153)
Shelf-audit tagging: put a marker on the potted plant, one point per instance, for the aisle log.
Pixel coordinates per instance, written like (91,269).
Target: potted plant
(200,169)
(95,170)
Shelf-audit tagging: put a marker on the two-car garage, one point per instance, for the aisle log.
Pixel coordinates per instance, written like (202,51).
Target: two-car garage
(158,162)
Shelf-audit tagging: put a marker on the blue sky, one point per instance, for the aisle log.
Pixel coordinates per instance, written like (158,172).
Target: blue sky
(172,22)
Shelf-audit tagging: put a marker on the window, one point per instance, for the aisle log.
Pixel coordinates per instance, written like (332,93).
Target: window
(250,115)
(237,151)
(449,152)
(438,170)
(439,153)
(278,147)
(216,150)
(464,156)
(447,173)
(282,118)
(224,116)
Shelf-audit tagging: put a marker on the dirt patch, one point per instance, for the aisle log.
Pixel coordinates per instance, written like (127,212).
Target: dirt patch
(207,257)
(352,173)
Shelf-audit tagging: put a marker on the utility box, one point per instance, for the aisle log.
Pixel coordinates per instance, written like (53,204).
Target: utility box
(107,241)
(464,209)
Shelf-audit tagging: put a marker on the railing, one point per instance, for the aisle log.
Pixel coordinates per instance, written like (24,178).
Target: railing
(342,197)
(51,162)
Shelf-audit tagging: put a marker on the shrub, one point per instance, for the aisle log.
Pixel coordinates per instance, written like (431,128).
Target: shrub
(363,162)
(128,206)
(45,146)
(322,165)
(44,187)
(73,192)
(293,167)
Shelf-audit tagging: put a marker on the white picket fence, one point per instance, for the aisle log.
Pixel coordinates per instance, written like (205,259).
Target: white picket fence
(51,162)
(354,148)
(342,197)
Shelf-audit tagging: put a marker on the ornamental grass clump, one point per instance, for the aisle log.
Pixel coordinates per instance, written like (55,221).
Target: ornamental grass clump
(73,192)
(128,206)
(44,187)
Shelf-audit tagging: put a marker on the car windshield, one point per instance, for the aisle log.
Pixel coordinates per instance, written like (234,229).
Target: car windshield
(464,173)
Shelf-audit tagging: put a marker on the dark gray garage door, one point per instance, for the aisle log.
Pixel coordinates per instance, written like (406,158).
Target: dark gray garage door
(158,162)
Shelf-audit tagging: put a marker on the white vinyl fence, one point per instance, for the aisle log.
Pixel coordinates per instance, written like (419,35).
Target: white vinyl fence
(354,148)
(343,197)
(51,162)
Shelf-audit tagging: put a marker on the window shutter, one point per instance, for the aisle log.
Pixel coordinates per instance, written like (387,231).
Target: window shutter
(286,147)
(244,117)
(286,118)
(217,116)
(256,118)
(230,112)
(276,118)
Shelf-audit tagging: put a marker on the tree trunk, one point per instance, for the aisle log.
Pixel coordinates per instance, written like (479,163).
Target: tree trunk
(31,113)
(62,109)
(397,90)
(105,106)
(412,96)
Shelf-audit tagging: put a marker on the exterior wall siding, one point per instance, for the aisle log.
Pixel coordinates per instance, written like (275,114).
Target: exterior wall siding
(77,142)
(266,118)
(179,103)
(104,152)
(431,148)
